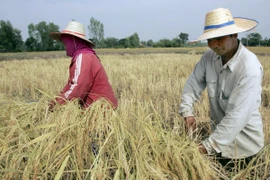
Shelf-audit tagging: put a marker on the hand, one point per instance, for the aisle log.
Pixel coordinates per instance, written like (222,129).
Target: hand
(190,124)
(51,105)
(202,149)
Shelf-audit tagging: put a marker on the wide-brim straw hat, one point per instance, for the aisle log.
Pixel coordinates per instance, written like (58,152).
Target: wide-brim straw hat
(73,28)
(220,22)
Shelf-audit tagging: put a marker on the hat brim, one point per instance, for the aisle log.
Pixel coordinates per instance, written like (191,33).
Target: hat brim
(57,36)
(240,25)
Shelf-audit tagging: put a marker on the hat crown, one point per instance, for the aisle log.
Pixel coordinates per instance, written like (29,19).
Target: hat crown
(220,22)
(75,27)
(218,17)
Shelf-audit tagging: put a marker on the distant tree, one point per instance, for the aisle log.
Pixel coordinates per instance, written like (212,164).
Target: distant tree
(43,29)
(265,42)
(134,40)
(254,39)
(39,39)
(176,42)
(110,42)
(127,43)
(268,42)
(33,40)
(150,43)
(163,43)
(31,44)
(96,31)
(121,43)
(43,33)
(183,37)
(244,41)
(10,38)
(51,43)
(17,40)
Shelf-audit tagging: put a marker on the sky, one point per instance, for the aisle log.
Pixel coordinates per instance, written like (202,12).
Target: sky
(151,19)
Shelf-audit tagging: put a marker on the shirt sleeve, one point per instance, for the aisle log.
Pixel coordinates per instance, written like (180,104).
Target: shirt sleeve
(193,88)
(61,98)
(82,81)
(241,104)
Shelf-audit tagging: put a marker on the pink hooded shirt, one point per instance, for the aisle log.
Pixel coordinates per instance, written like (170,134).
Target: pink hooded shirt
(87,81)
(75,45)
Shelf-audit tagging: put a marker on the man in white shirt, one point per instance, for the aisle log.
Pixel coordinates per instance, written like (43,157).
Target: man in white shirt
(233,77)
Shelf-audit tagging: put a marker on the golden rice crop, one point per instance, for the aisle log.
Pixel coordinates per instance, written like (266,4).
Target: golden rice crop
(143,139)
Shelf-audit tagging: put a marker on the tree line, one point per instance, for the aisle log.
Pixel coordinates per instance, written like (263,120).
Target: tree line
(38,39)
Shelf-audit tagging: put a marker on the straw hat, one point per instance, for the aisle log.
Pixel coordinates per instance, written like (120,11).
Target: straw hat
(220,22)
(73,28)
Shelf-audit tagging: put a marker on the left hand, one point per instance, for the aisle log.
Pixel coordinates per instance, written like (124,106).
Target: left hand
(202,149)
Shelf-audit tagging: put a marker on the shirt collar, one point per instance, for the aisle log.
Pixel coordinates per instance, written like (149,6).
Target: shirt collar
(234,60)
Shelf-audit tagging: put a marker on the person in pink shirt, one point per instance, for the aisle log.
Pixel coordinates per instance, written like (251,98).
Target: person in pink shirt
(88,81)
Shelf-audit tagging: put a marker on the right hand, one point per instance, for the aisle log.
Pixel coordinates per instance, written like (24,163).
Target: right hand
(51,105)
(202,149)
(190,124)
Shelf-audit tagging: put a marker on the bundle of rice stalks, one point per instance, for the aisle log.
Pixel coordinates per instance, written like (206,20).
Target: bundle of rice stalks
(132,142)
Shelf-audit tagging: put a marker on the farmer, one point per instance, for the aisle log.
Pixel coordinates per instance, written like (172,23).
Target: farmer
(87,80)
(233,77)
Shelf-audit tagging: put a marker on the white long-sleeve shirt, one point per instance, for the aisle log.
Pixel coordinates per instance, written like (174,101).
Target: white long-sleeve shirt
(234,91)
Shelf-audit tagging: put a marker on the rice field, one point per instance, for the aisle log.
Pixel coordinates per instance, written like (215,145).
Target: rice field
(142,139)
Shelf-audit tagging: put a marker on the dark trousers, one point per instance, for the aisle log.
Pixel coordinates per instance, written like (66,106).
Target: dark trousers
(231,164)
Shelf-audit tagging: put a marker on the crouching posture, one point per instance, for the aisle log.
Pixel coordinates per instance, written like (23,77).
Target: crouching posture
(87,80)
(233,77)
